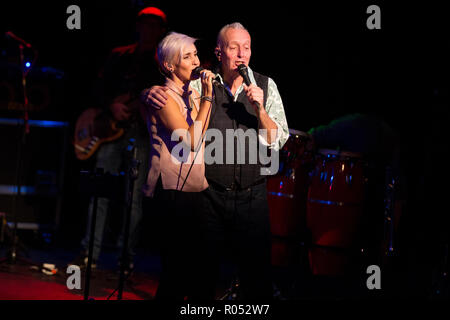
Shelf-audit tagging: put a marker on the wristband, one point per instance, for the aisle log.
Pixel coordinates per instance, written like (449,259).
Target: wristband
(206,98)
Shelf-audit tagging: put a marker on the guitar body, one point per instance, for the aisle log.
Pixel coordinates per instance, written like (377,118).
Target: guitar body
(94,127)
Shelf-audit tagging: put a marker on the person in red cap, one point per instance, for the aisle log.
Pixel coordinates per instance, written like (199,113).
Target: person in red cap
(126,72)
(153,11)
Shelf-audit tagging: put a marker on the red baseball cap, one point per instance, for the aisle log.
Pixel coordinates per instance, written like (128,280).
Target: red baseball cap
(154,12)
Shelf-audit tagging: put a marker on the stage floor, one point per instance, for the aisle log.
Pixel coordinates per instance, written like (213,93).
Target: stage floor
(21,281)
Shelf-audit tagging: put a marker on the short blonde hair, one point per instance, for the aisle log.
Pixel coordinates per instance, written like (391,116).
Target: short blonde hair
(171,48)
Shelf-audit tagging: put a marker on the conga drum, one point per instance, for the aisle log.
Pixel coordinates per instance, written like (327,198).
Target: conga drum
(335,206)
(286,195)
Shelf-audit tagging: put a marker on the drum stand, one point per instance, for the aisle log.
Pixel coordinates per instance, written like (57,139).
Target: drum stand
(232,292)
(389,212)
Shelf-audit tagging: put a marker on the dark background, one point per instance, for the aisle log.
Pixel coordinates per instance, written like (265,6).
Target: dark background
(323,58)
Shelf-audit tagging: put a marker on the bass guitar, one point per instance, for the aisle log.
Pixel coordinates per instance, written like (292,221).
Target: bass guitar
(96,126)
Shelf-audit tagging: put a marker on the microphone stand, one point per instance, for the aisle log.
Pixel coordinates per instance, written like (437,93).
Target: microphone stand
(133,172)
(97,184)
(12,256)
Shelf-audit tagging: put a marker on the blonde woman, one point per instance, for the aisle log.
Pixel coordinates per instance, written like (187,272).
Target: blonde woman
(173,181)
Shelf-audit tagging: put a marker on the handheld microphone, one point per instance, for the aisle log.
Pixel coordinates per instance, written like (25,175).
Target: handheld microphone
(243,71)
(197,73)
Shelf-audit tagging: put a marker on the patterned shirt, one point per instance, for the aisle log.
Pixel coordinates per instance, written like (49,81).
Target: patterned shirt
(274,108)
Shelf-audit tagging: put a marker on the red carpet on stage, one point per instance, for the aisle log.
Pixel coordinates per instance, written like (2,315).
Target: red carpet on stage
(19,282)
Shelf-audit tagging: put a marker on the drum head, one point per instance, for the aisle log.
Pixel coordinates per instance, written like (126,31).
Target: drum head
(299,133)
(339,154)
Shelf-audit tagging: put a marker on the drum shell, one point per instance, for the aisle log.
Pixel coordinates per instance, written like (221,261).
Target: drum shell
(335,209)
(286,194)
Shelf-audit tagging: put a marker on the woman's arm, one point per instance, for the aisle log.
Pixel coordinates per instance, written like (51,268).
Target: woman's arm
(171,117)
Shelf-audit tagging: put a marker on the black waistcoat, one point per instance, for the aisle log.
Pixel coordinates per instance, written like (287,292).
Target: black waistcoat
(228,114)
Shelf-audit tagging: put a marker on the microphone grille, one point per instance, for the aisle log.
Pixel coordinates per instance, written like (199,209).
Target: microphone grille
(242,68)
(197,71)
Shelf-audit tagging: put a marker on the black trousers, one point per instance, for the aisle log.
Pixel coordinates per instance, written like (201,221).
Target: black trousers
(182,249)
(237,222)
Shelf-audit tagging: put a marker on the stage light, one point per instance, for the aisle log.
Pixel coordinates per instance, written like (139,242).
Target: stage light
(27,64)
